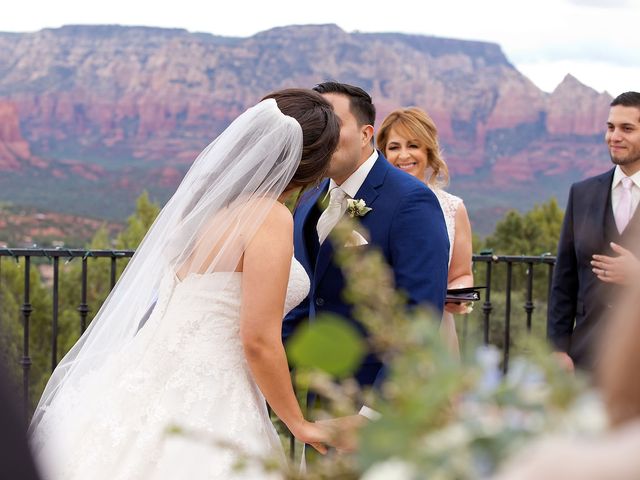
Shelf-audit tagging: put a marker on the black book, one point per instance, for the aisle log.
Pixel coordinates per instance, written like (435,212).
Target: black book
(463,295)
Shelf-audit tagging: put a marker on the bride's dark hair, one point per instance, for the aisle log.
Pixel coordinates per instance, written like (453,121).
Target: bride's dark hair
(320,134)
(320,131)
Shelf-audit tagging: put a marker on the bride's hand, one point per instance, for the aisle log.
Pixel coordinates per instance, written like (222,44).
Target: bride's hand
(344,431)
(314,434)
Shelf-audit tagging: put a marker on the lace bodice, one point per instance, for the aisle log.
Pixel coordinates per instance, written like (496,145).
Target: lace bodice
(298,287)
(449,204)
(205,289)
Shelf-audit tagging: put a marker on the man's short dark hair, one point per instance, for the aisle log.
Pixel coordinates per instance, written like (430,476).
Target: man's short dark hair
(627,99)
(360,102)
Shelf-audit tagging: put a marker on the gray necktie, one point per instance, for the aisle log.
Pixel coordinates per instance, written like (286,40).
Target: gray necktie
(329,218)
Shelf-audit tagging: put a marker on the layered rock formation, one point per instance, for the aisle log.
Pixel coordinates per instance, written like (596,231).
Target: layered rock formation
(103,100)
(13,148)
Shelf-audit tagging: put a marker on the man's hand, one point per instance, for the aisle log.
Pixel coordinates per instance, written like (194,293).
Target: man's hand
(343,431)
(565,361)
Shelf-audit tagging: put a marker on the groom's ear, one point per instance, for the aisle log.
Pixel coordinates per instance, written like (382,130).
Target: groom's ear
(366,134)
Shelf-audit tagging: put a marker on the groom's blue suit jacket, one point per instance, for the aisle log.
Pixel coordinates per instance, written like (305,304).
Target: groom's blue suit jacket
(406,224)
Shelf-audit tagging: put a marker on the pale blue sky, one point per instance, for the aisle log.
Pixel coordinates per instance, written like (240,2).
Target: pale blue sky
(595,40)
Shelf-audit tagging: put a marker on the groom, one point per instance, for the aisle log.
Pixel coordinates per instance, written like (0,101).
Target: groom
(405,223)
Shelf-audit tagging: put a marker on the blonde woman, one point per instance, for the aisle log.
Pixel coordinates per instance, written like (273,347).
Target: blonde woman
(408,138)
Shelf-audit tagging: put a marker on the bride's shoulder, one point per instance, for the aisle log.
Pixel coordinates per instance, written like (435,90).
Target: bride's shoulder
(281,217)
(269,207)
(277,215)
(276,230)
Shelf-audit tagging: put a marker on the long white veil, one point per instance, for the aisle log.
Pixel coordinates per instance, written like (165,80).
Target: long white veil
(204,228)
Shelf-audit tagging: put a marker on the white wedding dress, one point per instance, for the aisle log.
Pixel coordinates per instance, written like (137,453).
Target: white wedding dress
(181,402)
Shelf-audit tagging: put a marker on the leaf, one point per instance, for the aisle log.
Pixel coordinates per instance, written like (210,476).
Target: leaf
(329,344)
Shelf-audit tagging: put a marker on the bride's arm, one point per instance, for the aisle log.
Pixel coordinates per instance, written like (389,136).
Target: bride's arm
(266,266)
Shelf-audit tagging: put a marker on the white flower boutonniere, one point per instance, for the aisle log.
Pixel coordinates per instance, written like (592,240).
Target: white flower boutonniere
(357,208)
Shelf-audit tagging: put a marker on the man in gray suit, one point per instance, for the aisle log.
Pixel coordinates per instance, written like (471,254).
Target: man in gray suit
(600,242)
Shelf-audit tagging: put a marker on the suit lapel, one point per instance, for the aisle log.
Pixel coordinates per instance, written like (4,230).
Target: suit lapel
(594,221)
(325,254)
(369,189)
(369,193)
(631,234)
(310,212)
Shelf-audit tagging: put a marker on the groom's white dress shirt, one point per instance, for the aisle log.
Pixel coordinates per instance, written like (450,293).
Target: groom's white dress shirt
(352,184)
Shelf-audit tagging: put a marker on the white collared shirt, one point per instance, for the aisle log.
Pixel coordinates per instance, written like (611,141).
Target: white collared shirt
(616,188)
(352,184)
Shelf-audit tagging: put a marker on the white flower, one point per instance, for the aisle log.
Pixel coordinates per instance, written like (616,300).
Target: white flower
(488,359)
(453,437)
(357,208)
(587,415)
(391,469)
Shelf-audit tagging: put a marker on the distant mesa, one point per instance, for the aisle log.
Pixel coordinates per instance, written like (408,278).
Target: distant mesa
(147,100)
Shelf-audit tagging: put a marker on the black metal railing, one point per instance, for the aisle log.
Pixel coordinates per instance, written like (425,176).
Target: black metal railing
(489,260)
(54,255)
(486,260)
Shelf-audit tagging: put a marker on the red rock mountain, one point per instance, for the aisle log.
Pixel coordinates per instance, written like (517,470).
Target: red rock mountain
(13,148)
(91,115)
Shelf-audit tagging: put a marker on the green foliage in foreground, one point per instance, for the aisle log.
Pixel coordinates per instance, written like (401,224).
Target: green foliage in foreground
(329,344)
(443,418)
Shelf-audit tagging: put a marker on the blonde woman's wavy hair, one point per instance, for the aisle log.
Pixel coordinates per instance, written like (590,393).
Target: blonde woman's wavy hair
(414,123)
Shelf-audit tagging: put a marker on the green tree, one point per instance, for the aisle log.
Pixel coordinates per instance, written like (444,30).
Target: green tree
(70,296)
(534,233)
(12,325)
(99,269)
(10,331)
(138,224)
(531,234)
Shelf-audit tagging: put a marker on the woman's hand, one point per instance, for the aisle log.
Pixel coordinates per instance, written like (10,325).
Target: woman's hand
(314,434)
(458,308)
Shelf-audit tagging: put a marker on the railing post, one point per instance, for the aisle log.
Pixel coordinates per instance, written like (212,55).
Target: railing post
(54,318)
(486,306)
(113,271)
(528,306)
(507,319)
(25,362)
(83,308)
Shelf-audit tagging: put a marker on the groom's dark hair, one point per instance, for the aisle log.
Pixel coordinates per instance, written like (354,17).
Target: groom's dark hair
(360,102)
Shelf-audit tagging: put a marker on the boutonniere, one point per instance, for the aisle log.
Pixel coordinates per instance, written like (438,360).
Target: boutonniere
(357,208)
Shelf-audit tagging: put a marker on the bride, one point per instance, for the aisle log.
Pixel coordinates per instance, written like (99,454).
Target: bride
(171,377)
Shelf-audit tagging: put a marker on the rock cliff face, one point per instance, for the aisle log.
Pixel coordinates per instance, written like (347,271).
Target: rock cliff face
(575,109)
(13,148)
(98,101)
